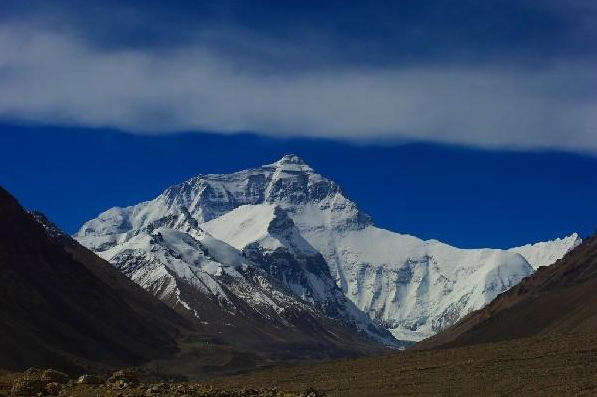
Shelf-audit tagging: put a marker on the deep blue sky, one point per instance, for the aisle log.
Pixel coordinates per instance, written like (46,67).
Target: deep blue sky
(467,197)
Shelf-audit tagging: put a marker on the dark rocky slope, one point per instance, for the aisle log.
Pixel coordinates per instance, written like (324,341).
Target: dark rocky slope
(61,306)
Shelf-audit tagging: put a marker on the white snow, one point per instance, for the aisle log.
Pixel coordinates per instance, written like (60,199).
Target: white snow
(412,286)
(250,223)
(244,225)
(547,252)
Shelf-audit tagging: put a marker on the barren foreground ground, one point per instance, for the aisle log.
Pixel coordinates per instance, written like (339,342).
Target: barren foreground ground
(557,365)
(124,383)
(562,365)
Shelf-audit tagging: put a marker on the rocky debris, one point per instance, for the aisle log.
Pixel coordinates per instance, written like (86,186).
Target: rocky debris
(124,378)
(310,392)
(54,388)
(90,380)
(34,372)
(157,390)
(125,383)
(27,386)
(37,381)
(53,376)
(151,376)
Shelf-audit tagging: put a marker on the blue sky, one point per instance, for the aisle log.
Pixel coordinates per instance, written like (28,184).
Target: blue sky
(503,93)
(463,196)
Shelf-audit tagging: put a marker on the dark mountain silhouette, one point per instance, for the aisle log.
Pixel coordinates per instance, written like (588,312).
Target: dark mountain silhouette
(62,306)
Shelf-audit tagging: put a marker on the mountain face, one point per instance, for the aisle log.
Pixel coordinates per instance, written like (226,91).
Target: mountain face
(559,298)
(166,247)
(267,235)
(62,309)
(298,232)
(197,274)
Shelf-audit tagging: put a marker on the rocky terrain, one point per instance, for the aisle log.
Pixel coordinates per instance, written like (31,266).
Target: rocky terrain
(551,365)
(36,382)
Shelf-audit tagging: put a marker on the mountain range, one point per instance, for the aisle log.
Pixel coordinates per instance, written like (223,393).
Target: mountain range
(283,245)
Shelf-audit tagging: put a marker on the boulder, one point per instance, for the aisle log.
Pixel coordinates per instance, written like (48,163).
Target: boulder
(310,392)
(32,372)
(125,375)
(54,388)
(53,376)
(157,390)
(90,380)
(28,386)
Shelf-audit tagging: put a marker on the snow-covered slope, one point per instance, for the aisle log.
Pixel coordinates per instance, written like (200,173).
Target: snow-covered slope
(408,285)
(303,231)
(267,235)
(265,269)
(547,252)
(167,253)
(413,287)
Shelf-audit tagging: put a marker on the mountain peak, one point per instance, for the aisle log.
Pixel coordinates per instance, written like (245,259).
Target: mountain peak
(292,161)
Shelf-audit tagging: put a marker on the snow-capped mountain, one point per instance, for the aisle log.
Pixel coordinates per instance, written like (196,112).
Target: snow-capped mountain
(298,230)
(547,252)
(278,277)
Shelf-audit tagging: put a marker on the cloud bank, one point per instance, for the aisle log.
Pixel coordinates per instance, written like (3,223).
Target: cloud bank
(56,78)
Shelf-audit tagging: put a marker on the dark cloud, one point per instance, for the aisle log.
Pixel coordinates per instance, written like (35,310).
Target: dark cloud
(381,32)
